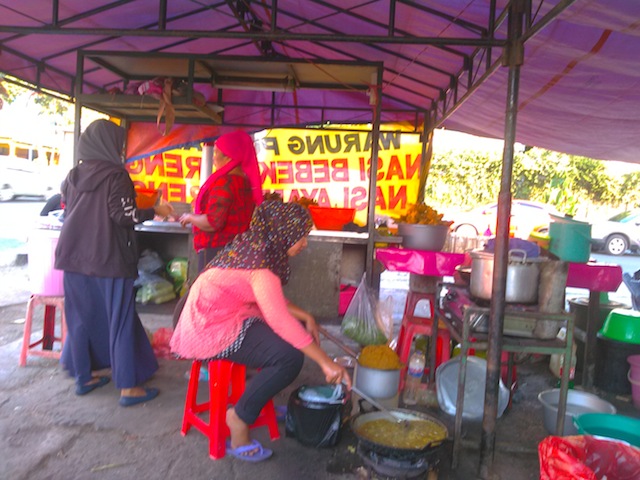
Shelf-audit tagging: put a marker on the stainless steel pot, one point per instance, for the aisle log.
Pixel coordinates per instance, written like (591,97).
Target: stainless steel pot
(375,382)
(522,276)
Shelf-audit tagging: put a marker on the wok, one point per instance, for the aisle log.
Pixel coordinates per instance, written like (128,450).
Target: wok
(396,452)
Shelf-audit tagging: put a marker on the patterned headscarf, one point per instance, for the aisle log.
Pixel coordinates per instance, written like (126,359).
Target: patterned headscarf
(275,227)
(238,146)
(102,140)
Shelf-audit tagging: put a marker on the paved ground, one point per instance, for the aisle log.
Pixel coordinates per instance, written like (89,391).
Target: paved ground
(47,432)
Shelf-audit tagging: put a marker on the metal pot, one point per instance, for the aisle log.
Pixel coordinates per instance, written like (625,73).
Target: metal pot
(522,276)
(377,383)
(395,452)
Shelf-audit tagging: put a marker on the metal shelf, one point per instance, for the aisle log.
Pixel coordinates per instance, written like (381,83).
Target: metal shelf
(463,334)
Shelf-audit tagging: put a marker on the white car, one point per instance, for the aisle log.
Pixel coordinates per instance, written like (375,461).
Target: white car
(618,234)
(526,215)
(18,183)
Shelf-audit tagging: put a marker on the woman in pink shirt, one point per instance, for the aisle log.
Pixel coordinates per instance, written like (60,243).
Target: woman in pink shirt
(237,310)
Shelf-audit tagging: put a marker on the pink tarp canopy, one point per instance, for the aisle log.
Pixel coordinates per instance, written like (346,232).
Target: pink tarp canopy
(579,84)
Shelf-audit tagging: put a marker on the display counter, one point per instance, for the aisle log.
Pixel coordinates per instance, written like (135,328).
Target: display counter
(331,258)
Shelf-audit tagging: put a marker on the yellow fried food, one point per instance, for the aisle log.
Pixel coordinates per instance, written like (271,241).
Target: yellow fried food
(379,356)
(419,213)
(419,434)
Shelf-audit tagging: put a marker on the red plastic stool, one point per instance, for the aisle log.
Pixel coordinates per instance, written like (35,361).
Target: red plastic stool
(226,385)
(409,329)
(426,302)
(48,328)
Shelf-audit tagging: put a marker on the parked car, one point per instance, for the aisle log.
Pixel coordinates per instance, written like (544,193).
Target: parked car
(16,182)
(526,215)
(618,234)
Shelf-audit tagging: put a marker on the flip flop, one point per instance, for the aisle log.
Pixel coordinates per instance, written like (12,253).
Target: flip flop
(241,453)
(131,401)
(84,389)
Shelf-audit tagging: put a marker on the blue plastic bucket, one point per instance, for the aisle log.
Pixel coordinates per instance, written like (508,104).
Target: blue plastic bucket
(570,240)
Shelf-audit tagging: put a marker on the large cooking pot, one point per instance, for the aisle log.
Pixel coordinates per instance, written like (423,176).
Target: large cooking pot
(522,276)
(377,383)
(396,452)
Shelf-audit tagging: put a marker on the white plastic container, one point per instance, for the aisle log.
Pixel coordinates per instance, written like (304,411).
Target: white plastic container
(41,250)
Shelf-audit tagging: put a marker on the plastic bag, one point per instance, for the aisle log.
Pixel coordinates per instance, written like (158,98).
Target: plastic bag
(177,270)
(150,262)
(583,457)
(154,289)
(316,424)
(359,322)
(160,343)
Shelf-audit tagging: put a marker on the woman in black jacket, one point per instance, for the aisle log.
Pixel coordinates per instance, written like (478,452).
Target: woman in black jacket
(98,253)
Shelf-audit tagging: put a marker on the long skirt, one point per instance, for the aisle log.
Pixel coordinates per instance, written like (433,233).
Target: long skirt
(104,330)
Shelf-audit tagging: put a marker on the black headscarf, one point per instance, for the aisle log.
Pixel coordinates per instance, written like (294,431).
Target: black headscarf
(275,227)
(102,140)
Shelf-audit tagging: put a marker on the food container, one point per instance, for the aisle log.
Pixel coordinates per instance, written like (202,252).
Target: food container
(474,388)
(327,218)
(146,197)
(607,425)
(577,403)
(622,325)
(377,383)
(522,276)
(423,237)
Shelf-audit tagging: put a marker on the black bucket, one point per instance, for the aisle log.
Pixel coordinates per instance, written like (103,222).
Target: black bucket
(316,424)
(580,306)
(612,367)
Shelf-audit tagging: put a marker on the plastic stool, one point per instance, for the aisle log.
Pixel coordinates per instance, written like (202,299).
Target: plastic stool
(425,302)
(48,329)
(226,385)
(409,329)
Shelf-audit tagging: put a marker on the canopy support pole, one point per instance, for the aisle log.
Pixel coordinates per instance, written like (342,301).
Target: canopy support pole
(513,58)
(375,94)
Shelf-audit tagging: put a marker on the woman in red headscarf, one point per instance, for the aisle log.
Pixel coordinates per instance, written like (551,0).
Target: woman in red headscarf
(226,201)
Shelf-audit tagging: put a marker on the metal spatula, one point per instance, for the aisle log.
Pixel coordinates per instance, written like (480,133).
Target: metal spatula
(382,408)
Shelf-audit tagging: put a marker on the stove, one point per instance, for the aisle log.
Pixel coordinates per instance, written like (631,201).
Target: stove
(387,467)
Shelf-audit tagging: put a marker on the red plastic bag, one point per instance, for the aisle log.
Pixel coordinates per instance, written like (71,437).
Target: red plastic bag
(160,343)
(583,457)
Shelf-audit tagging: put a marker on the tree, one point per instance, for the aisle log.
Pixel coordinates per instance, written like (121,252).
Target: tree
(467,179)
(11,90)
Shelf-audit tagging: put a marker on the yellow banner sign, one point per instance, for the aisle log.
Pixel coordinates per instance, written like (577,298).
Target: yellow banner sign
(331,167)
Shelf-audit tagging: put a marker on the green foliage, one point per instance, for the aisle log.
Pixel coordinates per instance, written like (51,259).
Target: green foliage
(467,179)
(10,92)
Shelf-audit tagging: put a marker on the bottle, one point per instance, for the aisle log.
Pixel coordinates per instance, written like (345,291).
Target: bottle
(417,362)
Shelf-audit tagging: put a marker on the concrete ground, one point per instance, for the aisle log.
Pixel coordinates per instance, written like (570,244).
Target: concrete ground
(47,432)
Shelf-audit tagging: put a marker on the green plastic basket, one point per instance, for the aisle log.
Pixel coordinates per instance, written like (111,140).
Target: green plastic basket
(607,425)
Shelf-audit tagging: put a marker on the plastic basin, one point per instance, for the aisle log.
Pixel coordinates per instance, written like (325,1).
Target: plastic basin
(328,218)
(578,403)
(146,197)
(622,325)
(607,425)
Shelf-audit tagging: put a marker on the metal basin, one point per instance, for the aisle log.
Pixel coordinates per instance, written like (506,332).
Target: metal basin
(577,403)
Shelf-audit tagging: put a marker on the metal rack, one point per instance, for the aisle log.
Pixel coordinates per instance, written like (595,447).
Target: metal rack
(462,332)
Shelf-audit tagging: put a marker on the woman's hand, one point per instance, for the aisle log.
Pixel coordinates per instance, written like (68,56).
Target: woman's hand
(185,219)
(335,374)
(163,209)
